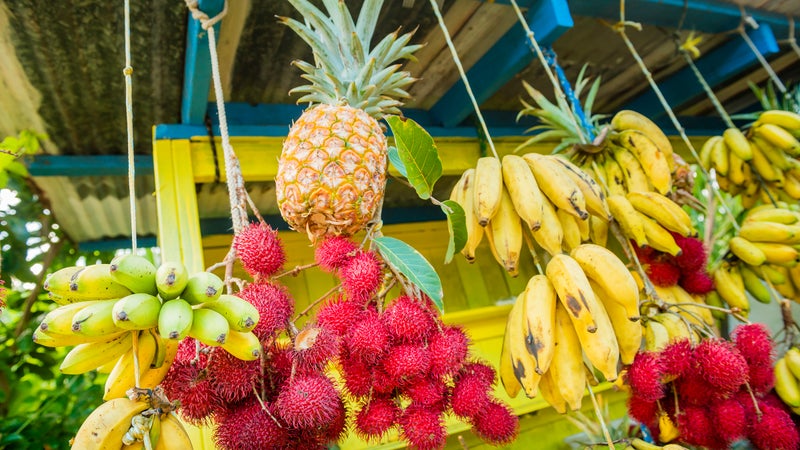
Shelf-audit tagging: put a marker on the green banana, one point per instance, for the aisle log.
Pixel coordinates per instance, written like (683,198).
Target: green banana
(241,314)
(96,319)
(95,283)
(57,284)
(244,346)
(135,272)
(171,279)
(753,285)
(209,327)
(202,287)
(136,311)
(175,319)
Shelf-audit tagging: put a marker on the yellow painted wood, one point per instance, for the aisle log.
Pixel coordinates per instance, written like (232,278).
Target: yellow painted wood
(166,202)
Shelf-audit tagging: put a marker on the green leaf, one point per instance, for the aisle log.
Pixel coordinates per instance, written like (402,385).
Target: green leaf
(409,262)
(457,225)
(394,158)
(418,153)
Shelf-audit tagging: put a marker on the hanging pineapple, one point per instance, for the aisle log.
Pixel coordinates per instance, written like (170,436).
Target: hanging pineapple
(332,170)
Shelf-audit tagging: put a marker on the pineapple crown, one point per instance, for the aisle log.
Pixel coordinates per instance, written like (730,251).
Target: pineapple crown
(346,71)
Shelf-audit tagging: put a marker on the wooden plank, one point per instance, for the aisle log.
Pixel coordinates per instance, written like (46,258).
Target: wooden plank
(166,201)
(186,207)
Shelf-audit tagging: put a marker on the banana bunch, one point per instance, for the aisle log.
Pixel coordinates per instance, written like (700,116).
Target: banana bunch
(556,200)
(121,423)
(642,152)
(648,217)
(586,304)
(767,152)
(787,379)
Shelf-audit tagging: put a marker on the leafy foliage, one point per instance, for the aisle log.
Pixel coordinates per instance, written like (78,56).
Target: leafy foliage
(409,262)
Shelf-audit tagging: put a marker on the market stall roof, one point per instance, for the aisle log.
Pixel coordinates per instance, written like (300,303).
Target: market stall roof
(61,74)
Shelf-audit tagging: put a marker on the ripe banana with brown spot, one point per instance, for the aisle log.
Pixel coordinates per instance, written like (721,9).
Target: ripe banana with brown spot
(592,192)
(635,177)
(551,235)
(464,194)
(488,188)
(653,161)
(59,320)
(566,368)
(557,185)
(506,235)
(628,218)
(523,366)
(615,178)
(663,210)
(540,301)
(632,120)
(605,268)
(525,194)
(107,424)
(628,333)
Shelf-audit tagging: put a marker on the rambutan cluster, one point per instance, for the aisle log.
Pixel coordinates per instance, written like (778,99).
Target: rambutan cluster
(259,250)
(688,269)
(722,390)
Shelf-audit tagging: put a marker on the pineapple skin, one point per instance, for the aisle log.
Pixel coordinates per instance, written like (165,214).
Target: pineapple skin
(332,171)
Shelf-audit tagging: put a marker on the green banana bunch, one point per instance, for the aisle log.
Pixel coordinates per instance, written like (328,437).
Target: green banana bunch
(134,272)
(136,311)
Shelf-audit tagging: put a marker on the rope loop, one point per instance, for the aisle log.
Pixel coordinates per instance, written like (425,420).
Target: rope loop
(205,21)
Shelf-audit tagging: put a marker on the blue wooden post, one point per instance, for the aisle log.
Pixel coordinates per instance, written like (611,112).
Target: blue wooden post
(197,66)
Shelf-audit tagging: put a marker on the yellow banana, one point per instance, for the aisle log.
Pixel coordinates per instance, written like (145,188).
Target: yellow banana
(667,430)
(628,333)
(66,340)
(598,231)
(59,320)
(737,142)
(603,267)
(173,434)
(566,368)
(95,319)
(628,218)
(730,286)
(155,375)
(677,327)
(548,387)
(786,385)
(663,210)
(656,336)
(632,120)
(615,177)
(107,424)
(572,232)
(243,345)
(736,169)
(635,177)
(720,159)
(90,356)
(488,188)
(697,315)
(786,289)
(540,301)
(508,376)
(521,185)
(652,160)
(506,235)
(592,192)
(554,182)
(792,358)
(779,254)
(746,251)
(764,166)
(122,376)
(658,237)
(777,157)
(784,119)
(759,231)
(779,137)
(58,283)
(705,152)
(464,194)
(551,235)
(523,364)
(791,185)
(778,215)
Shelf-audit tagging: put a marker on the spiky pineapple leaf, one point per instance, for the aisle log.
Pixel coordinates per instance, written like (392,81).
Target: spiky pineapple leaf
(406,260)
(457,225)
(418,153)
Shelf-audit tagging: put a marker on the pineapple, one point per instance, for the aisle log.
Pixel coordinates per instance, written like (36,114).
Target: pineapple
(332,170)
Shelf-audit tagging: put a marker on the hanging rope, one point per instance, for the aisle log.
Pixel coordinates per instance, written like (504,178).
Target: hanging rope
(128,72)
(707,88)
(747,19)
(791,39)
(236,190)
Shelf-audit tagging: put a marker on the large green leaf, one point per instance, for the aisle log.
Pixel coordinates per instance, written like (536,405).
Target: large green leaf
(457,225)
(394,158)
(409,262)
(418,153)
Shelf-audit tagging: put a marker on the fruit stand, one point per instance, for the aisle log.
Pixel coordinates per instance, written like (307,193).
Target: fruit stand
(523,258)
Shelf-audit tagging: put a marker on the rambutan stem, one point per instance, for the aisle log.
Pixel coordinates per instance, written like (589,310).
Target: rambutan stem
(600,418)
(627,247)
(315,303)
(264,407)
(296,271)
(753,398)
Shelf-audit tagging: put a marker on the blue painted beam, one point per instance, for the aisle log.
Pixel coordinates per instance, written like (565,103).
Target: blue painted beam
(105,245)
(718,66)
(710,16)
(88,165)
(548,19)
(197,65)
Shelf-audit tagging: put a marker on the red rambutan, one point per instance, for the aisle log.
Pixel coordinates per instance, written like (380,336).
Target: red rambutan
(314,346)
(774,430)
(259,249)
(249,427)
(645,254)
(496,424)
(663,273)
(188,351)
(338,315)
(643,411)
(471,395)
(384,383)
(376,417)
(361,276)
(337,427)
(333,252)
(406,361)
(721,365)
(308,401)
(407,319)
(692,389)
(189,385)
(693,255)
(761,379)
(448,350)
(676,359)
(482,369)
(368,337)
(644,376)
(728,417)
(695,426)
(232,379)
(274,304)
(422,428)
(696,282)
(357,376)
(754,343)
(426,391)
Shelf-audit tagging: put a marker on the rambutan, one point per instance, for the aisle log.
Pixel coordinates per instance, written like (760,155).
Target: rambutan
(692,389)
(754,343)
(663,273)
(676,358)
(188,384)
(643,411)
(368,337)
(644,376)
(334,252)
(448,350)
(314,346)
(471,394)
(408,320)
(308,401)
(361,276)
(376,417)
(761,378)
(406,361)
(693,255)
(248,426)
(481,369)
(774,430)
(496,424)
(696,282)
(259,249)
(338,315)
(728,417)
(422,428)
(696,427)
(357,376)
(337,427)
(274,304)
(232,379)
(721,365)
(426,391)
(188,351)
(384,383)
